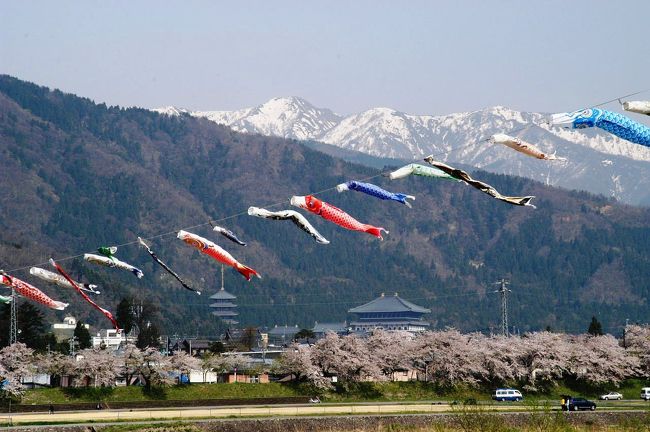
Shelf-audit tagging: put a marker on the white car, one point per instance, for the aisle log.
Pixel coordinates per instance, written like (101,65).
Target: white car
(612,396)
(645,393)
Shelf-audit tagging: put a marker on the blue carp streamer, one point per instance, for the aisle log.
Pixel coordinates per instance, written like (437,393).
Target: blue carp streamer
(375,191)
(612,122)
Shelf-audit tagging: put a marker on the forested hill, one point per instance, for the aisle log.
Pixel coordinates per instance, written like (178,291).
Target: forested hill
(77,175)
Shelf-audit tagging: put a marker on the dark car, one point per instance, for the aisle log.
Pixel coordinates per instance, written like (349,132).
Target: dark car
(576,404)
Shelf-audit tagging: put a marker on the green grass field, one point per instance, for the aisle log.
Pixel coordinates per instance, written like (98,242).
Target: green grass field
(359,392)
(135,393)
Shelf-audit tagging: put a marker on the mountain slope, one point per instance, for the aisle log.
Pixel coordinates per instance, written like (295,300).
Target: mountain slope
(78,175)
(621,167)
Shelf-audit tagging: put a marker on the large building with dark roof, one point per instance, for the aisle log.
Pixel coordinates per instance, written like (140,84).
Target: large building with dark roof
(389,313)
(224,306)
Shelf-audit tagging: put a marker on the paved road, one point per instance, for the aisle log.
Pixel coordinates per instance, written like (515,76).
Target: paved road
(258,411)
(248,411)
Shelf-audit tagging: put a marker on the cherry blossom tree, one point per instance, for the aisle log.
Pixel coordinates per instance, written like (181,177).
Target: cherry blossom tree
(56,365)
(183,363)
(449,357)
(545,357)
(501,358)
(16,362)
(155,368)
(391,351)
(297,361)
(600,359)
(347,357)
(98,366)
(131,363)
(637,343)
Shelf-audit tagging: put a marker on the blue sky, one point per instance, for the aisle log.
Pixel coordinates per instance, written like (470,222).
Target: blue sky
(421,57)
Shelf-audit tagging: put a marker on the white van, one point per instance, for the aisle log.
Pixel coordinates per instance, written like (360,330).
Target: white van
(645,393)
(507,394)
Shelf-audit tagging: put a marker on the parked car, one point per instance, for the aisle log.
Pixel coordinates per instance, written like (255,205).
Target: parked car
(611,396)
(576,404)
(645,393)
(507,394)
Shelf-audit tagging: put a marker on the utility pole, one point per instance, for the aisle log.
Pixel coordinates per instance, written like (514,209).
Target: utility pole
(13,328)
(73,342)
(504,305)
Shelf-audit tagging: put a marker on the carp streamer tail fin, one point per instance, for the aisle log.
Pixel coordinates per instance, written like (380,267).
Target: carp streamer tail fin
(376,231)
(247,271)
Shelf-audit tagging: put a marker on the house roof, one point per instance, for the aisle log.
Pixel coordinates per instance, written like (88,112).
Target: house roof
(223,295)
(389,304)
(333,327)
(283,330)
(390,323)
(197,343)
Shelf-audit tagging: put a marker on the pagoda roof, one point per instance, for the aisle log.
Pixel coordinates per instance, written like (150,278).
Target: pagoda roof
(223,295)
(224,313)
(389,304)
(223,305)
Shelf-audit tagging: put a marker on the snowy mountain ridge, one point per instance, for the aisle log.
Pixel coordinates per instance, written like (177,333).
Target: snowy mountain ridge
(597,161)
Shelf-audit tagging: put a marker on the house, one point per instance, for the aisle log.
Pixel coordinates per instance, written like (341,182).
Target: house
(194,347)
(65,330)
(112,339)
(320,329)
(282,335)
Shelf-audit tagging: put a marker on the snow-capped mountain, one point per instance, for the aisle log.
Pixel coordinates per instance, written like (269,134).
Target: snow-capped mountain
(290,117)
(597,161)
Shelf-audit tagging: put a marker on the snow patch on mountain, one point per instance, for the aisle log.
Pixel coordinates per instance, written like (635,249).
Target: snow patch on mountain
(171,111)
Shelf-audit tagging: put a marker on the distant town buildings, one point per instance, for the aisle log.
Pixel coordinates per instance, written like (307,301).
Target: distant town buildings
(389,313)
(65,330)
(112,340)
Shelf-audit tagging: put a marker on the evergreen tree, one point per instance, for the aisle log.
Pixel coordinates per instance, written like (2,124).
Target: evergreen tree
(149,336)
(595,327)
(5,317)
(31,326)
(217,347)
(83,336)
(124,314)
(248,338)
(304,334)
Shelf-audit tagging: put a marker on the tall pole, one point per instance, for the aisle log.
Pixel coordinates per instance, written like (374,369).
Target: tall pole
(504,305)
(13,328)
(73,342)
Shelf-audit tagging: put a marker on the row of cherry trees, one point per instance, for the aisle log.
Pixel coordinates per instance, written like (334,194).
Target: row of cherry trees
(450,358)
(101,368)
